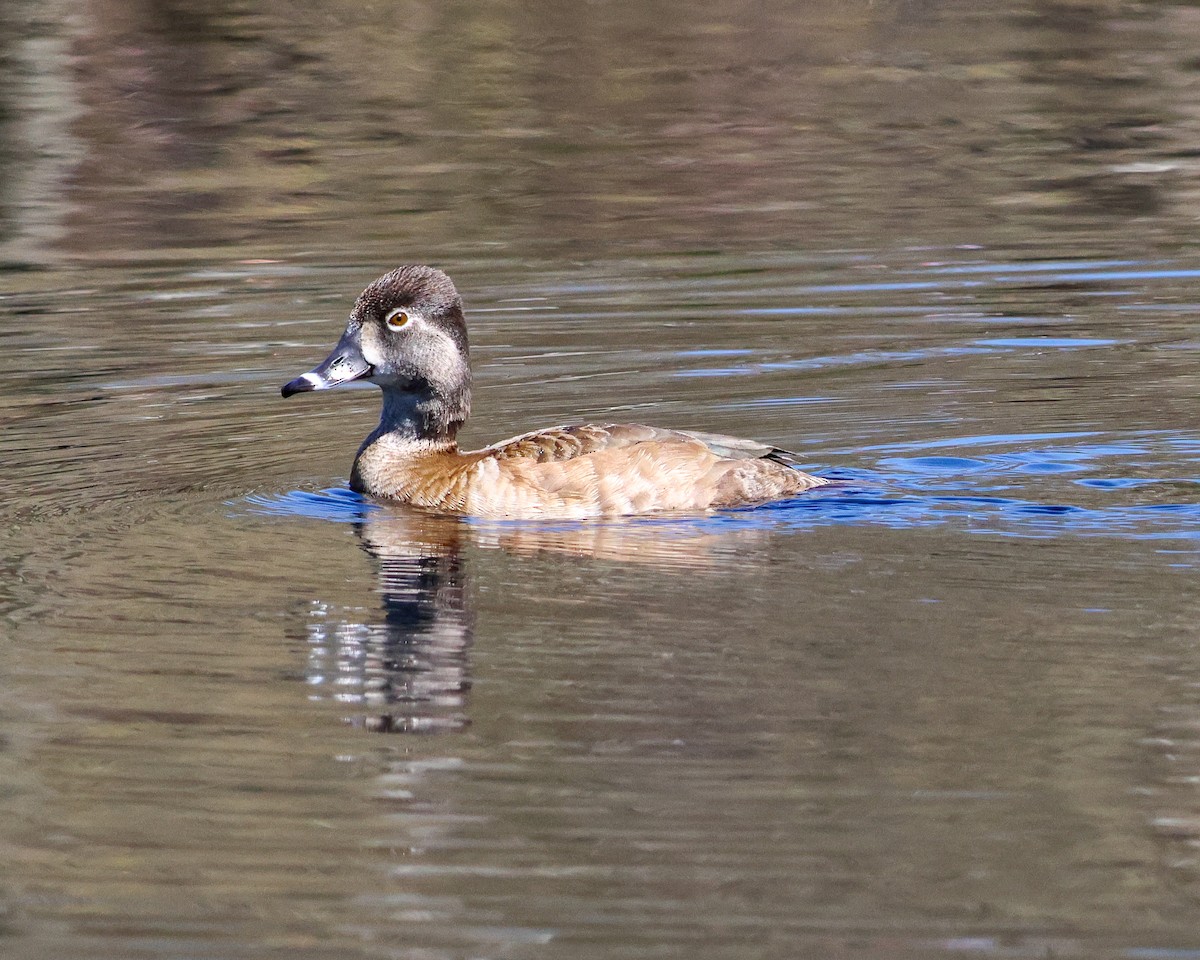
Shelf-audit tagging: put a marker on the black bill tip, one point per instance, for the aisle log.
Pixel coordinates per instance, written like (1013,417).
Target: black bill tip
(302,384)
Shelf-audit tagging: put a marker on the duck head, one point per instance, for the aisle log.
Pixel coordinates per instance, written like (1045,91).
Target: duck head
(407,335)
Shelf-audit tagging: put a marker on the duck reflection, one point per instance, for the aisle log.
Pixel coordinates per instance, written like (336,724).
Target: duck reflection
(408,670)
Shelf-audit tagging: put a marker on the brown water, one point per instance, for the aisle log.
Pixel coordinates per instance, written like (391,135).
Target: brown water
(942,250)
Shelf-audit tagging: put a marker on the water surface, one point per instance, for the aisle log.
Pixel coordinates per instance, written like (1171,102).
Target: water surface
(946,707)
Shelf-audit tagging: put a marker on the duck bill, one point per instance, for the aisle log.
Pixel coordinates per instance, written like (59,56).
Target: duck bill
(345,364)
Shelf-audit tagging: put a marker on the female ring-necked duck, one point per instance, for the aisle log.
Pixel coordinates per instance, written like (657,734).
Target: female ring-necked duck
(407,335)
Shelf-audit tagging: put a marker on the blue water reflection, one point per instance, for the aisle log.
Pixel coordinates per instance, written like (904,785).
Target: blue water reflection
(977,493)
(338,504)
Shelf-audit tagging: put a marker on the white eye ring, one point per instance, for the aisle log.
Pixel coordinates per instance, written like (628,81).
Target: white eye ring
(396,319)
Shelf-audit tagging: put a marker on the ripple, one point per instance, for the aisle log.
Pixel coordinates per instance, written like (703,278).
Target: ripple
(1060,342)
(336,504)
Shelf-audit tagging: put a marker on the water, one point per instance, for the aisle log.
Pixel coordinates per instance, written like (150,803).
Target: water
(945,707)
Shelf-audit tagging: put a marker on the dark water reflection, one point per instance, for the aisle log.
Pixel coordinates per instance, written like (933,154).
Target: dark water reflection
(343,129)
(943,250)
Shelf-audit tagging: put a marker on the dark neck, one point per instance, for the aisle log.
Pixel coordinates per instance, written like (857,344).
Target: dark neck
(420,418)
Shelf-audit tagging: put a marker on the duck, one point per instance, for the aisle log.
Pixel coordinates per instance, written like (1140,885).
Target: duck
(407,335)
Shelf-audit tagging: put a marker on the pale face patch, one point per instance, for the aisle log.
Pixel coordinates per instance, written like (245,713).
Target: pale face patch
(371,343)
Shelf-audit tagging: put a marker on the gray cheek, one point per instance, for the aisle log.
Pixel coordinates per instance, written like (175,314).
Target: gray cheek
(441,360)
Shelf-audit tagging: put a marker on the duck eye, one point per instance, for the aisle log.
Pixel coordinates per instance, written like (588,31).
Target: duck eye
(396,319)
